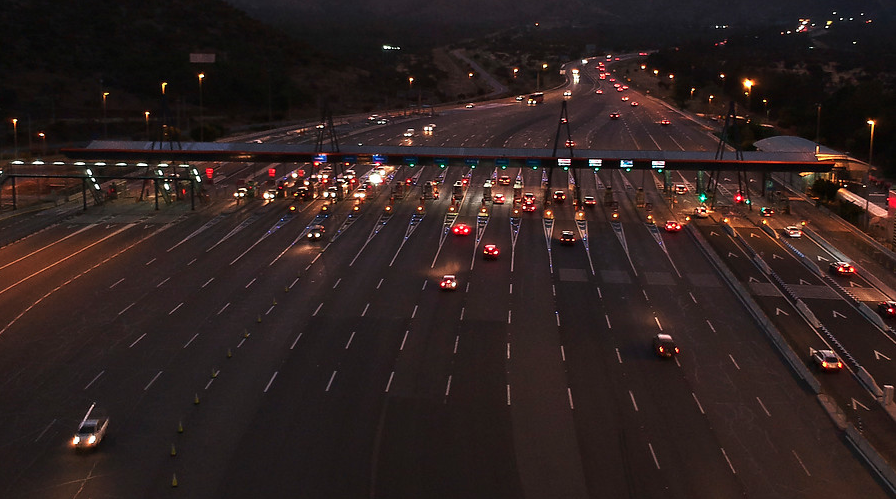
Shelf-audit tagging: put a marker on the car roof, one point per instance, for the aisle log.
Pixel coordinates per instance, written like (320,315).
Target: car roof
(448,276)
(664,337)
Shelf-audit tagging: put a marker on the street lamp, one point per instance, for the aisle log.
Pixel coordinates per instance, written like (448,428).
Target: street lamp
(710,98)
(43,138)
(871,144)
(692,92)
(748,90)
(868,177)
(470,74)
(201,76)
(656,72)
(105,125)
(146,116)
(515,71)
(765,106)
(15,138)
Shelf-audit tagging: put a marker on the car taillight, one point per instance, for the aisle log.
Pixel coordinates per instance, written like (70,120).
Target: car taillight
(676,349)
(661,349)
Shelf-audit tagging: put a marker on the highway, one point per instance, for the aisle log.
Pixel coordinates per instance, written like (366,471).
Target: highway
(235,358)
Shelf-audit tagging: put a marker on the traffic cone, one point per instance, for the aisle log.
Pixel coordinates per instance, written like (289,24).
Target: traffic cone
(174,480)
(229,353)
(180,427)
(173,450)
(196,400)
(214,373)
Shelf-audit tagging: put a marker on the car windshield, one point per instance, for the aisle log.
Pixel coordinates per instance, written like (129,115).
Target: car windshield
(90,428)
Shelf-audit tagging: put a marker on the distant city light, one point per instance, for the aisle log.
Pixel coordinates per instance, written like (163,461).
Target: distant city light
(391,47)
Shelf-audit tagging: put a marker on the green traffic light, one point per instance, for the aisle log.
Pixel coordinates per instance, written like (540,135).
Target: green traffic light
(628,169)
(566,168)
(596,170)
(503,167)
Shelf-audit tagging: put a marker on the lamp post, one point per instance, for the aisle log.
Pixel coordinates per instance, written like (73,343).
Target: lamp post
(146,117)
(515,71)
(410,89)
(105,125)
(15,138)
(748,90)
(765,106)
(201,76)
(692,92)
(868,176)
(43,139)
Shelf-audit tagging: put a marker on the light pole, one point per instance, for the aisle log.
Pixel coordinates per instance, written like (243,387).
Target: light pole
(201,76)
(868,177)
(410,90)
(692,92)
(105,125)
(146,117)
(765,105)
(515,71)
(43,139)
(748,90)
(15,138)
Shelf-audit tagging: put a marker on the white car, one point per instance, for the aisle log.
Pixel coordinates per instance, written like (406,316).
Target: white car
(270,194)
(681,189)
(567,93)
(409,132)
(470,106)
(793,231)
(701,212)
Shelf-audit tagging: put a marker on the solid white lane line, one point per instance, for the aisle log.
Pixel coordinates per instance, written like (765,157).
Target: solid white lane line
(175,308)
(710,326)
(414,313)
(404,339)
(270,381)
(250,283)
(137,340)
(349,342)
(618,356)
(337,282)
(657,319)
(655,461)
(159,285)
(569,395)
(734,361)
(295,341)
(191,340)
(125,309)
(316,310)
(390,381)
(208,282)
(729,461)
(365,309)
(331,381)
(763,407)
(94,379)
(801,463)
(692,297)
(698,403)
(150,262)
(117,283)
(154,378)
(634,404)
(223,308)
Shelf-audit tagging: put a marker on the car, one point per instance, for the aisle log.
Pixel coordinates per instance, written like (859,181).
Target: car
(529,207)
(614,115)
(612,79)
(673,226)
(520,98)
(504,180)
(490,251)
(90,432)
(559,196)
(665,122)
(590,201)
(448,282)
(599,91)
(567,93)
(498,198)
(664,345)
(634,103)
(461,230)
(567,237)
(429,128)
(841,268)
(470,106)
(625,87)
(826,360)
(570,143)
(409,132)
(701,212)
(624,98)
(528,197)
(619,89)
(887,308)
(681,189)
(241,192)
(793,231)
(382,121)
(315,232)
(766,211)
(616,85)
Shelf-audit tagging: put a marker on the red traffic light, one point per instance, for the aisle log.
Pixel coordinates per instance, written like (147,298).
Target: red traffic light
(738,198)
(272,172)
(209,173)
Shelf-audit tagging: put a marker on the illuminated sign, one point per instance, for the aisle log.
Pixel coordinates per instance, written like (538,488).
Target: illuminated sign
(658,164)
(626,163)
(379,159)
(595,163)
(564,161)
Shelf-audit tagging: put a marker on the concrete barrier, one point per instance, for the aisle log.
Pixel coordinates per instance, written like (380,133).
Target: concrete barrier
(872,316)
(807,314)
(770,231)
(872,457)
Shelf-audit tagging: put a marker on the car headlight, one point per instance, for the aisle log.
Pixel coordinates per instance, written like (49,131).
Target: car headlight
(76,440)
(91,440)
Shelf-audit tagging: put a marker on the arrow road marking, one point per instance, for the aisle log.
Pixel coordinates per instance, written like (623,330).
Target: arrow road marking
(774,255)
(838,314)
(804,282)
(820,258)
(878,355)
(857,403)
(730,254)
(778,311)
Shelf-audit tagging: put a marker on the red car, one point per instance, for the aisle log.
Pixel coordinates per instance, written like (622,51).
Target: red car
(673,226)
(528,206)
(842,268)
(490,251)
(498,199)
(461,230)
